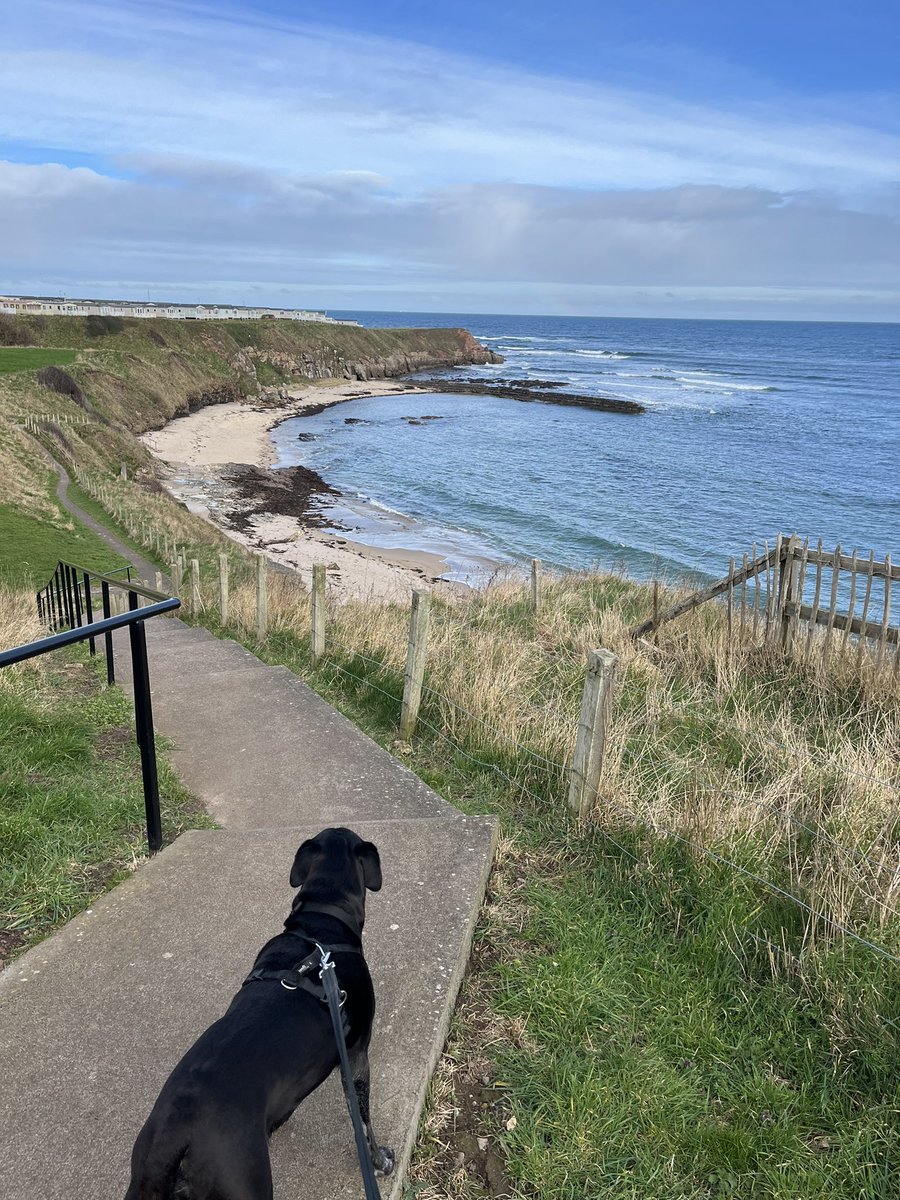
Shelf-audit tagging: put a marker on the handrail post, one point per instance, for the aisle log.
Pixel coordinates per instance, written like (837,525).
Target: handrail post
(89,611)
(143,719)
(70,594)
(60,612)
(107,637)
(66,598)
(76,594)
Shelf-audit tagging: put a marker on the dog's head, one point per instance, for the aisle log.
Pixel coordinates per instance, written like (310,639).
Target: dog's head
(336,867)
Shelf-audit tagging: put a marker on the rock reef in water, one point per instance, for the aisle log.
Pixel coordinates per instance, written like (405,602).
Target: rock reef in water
(530,392)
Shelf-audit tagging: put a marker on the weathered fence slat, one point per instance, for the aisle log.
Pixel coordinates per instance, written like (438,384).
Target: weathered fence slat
(815,604)
(861,645)
(832,607)
(886,613)
(790,593)
(845,641)
(756,595)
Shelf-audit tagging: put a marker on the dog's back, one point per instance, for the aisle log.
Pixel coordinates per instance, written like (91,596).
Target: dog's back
(206,1138)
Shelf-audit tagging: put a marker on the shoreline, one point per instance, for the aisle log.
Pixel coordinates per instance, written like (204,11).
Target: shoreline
(218,461)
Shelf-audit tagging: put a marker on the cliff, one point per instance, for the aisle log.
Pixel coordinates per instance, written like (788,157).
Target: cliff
(141,373)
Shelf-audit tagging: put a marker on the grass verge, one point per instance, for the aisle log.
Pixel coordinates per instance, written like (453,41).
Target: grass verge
(31,546)
(71,802)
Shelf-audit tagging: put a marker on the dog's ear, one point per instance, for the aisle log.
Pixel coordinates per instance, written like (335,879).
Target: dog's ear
(302,861)
(371,863)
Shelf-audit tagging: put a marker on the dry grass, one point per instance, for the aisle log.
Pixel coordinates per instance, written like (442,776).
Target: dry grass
(727,745)
(18,624)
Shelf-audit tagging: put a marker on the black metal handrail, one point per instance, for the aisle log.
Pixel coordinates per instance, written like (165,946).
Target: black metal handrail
(67,603)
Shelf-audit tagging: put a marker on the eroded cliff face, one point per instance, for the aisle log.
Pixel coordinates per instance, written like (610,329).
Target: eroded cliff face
(141,373)
(327,362)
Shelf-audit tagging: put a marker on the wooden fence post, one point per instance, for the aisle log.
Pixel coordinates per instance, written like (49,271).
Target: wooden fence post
(772,588)
(223,589)
(195,588)
(262,601)
(536,585)
(175,571)
(415,663)
(789,599)
(318,613)
(158,580)
(587,762)
(886,613)
(730,610)
(832,607)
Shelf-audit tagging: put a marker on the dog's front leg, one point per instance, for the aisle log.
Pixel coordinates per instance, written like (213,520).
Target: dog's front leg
(382,1157)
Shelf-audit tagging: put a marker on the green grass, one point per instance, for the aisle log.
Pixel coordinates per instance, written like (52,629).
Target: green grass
(32,358)
(31,547)
(71,799)
(622,999)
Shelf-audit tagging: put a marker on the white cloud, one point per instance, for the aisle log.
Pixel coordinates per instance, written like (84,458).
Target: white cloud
(112,79)
(231,154)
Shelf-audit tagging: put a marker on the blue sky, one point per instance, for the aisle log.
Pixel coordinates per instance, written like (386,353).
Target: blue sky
(644,158)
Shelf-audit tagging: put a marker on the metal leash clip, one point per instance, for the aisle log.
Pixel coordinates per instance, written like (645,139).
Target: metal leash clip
(326,964)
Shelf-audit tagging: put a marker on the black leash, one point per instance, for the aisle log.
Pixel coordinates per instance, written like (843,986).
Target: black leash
(333,995)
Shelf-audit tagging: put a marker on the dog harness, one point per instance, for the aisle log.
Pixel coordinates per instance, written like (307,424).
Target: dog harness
(305,975)
(325,989)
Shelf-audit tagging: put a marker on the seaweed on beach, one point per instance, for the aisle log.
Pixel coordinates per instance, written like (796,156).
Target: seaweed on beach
(286,491)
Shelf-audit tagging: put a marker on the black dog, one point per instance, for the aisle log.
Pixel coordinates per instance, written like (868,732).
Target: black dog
(207,1136)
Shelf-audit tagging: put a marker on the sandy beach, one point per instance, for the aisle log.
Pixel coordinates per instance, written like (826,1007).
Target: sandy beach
(202,454)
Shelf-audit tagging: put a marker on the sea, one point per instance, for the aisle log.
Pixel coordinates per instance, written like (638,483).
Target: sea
(751,428)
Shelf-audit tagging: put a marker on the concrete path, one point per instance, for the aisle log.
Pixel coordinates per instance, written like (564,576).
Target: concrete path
(94,1018)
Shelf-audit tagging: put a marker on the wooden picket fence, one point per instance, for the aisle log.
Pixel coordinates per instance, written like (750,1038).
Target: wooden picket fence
(33,422)
(766,596)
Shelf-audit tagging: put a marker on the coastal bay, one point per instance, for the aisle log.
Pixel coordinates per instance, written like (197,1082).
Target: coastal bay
(218,461)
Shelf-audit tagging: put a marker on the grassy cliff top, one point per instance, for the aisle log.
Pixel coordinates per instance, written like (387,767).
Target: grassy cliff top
(139,335)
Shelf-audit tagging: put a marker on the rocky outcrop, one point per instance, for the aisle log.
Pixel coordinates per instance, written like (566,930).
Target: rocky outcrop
(529,392)
(458,348)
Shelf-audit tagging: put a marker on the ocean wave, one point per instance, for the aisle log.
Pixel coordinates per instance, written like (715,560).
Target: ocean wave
(720,384)
(370,502)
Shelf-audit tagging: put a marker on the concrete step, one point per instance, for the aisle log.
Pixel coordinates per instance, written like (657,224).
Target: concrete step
(262,750)
(93,1020)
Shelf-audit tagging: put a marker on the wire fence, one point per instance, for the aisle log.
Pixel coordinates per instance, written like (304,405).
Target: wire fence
(555,772)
